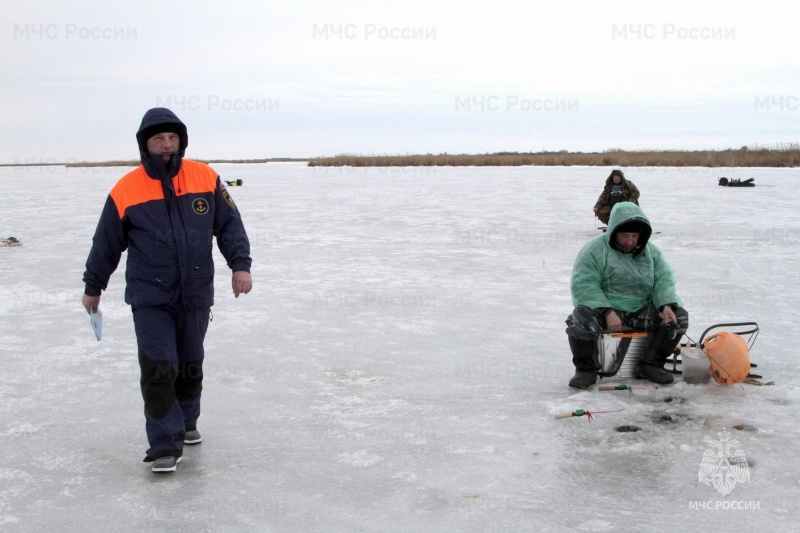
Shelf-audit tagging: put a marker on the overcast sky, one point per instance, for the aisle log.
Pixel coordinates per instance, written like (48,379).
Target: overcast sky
(299,79)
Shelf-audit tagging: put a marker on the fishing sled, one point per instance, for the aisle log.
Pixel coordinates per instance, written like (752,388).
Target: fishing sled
(735,182)
(618,354)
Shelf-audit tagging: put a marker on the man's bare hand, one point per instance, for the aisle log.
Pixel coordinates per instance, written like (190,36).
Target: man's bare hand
(668,315)
(242,282)
(90,303)
(613,322)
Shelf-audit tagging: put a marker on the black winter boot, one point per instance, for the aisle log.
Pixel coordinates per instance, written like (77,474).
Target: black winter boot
(583,379)
(651,366)
(583,359)
(655,374)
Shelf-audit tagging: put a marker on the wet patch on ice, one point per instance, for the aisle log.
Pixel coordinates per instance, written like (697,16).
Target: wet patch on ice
(667,417)
(661,418)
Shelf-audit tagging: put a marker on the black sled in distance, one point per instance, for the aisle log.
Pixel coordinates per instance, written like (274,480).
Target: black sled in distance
(735,182)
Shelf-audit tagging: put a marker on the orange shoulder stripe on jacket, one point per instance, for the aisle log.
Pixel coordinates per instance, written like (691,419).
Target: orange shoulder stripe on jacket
(194,177)
(135,188)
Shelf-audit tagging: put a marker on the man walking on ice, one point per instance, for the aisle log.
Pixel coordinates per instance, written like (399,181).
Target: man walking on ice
(166,213)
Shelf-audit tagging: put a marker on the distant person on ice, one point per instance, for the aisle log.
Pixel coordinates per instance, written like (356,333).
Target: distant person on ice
(166,213)
(617,189)
(620,281)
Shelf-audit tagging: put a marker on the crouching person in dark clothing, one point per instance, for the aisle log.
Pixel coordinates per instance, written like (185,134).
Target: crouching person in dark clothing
(620,281)
(616,189)
(166,213)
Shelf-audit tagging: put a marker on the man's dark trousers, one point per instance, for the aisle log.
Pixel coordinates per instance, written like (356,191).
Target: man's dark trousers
(170,341)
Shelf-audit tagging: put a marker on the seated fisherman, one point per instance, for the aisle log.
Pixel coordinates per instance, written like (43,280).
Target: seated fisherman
(617,189)
(620,280)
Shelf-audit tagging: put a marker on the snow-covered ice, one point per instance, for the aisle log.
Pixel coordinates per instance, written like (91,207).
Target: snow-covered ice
(399,362)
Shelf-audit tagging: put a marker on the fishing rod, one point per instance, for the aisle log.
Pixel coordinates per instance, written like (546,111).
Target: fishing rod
(623,386)
(583,412)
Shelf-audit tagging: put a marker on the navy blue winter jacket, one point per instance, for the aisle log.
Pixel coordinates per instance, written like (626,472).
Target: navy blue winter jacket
(166,217)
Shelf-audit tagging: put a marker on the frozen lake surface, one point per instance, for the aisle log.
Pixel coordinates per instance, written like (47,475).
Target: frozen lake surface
(400,359)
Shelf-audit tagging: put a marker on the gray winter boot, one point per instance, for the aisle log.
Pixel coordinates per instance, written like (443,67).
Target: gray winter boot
(192,437)
(166,464)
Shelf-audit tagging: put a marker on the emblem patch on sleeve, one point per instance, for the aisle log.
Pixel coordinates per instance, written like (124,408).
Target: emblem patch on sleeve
(227,196)
(200,206)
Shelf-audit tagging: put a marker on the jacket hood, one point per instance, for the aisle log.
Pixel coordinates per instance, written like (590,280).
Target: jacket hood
(624,213)
(161,116)
(158,120)
(610,178)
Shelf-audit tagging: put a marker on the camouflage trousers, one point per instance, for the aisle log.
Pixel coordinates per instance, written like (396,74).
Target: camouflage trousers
(585,326)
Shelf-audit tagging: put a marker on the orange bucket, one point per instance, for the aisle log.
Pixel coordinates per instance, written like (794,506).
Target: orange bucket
(730,358)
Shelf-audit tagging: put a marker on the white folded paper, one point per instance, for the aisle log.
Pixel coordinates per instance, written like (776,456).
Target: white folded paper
(96,320)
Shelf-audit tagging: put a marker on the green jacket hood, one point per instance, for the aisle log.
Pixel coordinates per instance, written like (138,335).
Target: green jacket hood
(604,277)
(625,214)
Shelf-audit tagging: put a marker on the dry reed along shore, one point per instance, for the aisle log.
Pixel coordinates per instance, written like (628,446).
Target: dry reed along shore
(788,156)
(784,155)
